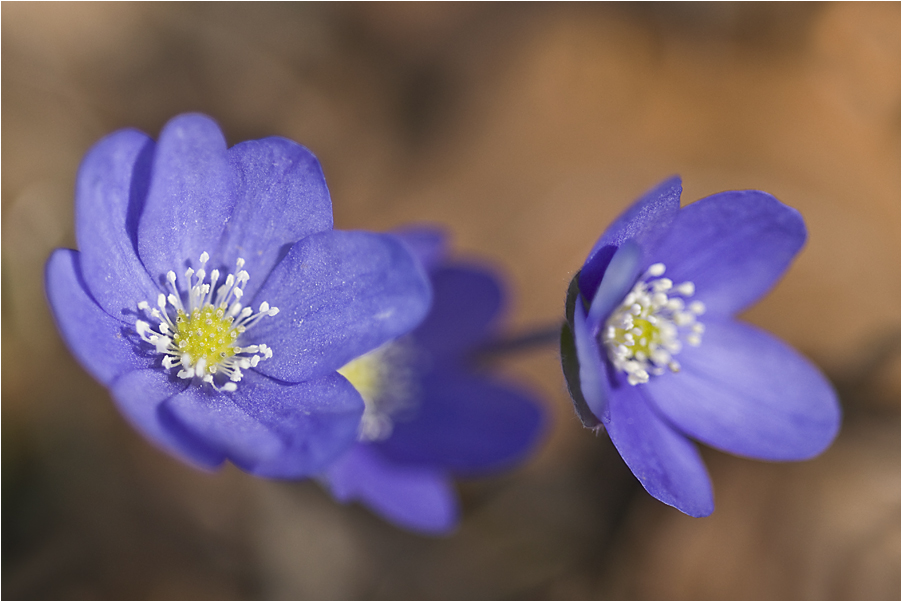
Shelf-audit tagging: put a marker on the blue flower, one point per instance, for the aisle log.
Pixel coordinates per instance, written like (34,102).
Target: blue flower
(429,415)
(652,352)
(212,297)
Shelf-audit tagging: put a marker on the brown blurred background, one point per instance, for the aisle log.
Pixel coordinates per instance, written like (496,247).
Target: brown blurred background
(525,128)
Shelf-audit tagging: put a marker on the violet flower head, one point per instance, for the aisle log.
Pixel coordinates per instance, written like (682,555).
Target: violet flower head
(652,351)
(430,416)
(211,295)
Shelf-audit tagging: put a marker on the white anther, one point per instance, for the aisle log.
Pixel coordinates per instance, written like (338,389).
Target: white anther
(204,257)
(687,289)
(664,284)
(660,356)
(697,307)
(656,269)
(683,318)
(676,304)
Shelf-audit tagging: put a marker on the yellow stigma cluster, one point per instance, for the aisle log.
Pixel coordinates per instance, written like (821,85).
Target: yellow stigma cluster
(207,333)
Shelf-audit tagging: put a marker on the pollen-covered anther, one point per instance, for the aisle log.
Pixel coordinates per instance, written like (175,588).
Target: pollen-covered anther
(199,328)
(647,330)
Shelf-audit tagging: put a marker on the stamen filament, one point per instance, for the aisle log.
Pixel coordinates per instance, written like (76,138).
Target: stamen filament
(202,336)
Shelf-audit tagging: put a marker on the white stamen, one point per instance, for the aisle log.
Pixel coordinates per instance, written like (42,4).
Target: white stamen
(644,333)
(207,321)
(656,269)
(687,289)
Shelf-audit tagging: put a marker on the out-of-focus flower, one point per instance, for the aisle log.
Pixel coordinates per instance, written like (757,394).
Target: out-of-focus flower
(212,297)
(652,352)
(429,416)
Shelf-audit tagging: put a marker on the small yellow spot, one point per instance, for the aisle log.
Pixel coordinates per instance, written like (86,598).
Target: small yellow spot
(366,373)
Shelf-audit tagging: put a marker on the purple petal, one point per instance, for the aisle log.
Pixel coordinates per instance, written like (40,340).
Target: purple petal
(105,346)
(189,200)
(643,222)
(109,195)
(281,198)
(666,463)
(273,429)
(140,395)
(466,424)
(429,244)
(748,393)
(466,300)
(592,377)
(416,498)
(734,246)
(339,294)
(619,278)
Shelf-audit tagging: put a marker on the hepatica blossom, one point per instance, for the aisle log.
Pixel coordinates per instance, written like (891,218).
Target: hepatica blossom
(429,416)
(211,295)
(653,354)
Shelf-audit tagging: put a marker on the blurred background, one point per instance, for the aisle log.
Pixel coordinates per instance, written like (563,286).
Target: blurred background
(526,128)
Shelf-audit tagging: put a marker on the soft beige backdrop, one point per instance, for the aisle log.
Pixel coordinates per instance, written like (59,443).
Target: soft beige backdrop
(525,129)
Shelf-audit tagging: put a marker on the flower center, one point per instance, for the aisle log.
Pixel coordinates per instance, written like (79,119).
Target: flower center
(203,335)
(385,379)
(644,333)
